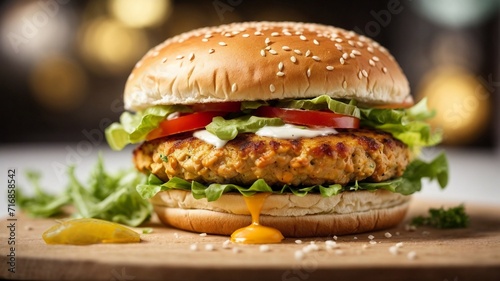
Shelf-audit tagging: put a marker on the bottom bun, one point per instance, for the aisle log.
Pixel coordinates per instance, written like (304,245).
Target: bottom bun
(308,216)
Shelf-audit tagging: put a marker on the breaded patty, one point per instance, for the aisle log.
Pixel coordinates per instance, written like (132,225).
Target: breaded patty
(345,157)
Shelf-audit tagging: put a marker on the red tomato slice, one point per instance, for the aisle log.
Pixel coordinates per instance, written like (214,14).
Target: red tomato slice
(309,117)
(184,123)
(218,106)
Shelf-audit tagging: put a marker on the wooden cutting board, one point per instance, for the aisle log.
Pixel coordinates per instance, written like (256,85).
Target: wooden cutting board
(455,255)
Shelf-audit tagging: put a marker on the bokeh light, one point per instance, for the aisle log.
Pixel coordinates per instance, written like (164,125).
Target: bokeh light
(58,83)
(145,13)
(109,47)
(462,103)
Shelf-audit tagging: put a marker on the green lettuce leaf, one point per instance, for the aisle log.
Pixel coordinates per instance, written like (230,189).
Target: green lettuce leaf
(322,102)
(111,197)
(229,129)
(409,183)
(407,125)
(133,128)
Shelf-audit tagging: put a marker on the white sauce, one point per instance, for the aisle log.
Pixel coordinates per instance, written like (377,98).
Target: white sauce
(286,131)
(209,138)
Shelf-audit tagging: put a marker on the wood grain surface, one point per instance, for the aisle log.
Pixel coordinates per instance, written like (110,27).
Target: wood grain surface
(472,253)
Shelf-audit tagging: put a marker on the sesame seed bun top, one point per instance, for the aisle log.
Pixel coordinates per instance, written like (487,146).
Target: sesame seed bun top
(266,60)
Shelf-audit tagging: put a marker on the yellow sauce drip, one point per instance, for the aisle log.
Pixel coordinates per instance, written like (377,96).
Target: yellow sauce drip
(89,231)
(256,233)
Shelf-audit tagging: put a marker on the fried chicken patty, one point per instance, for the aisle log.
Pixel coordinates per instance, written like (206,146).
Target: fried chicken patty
(350,155)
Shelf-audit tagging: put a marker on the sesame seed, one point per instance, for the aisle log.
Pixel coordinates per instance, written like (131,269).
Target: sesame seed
(329,67)
(280,66)
(204,40)
(302,37)
(384,69)
(234,88)
(208,35)
(280,73)
(360,44)
(375,58)
(272,88)
(264,248)
(298,52)
(393,250)
(228,35)
(258,33)
(345,55)
(370,49)
(210,51)
(191,56)
(344,84)
(308,53)
(308,72)
(179,57)
(275,34)
(352,55)
(338,40)
(222,43)
(293,59)
(360,75)
(356,52)
(371,62)
(164,60)
(316,58)
(286,48)
(298,255)
(365,74)
(263,53)
(268,48)
(350,42)
(267,41)
(411,255)
(209,247)
(342,61)
(315,42)
(246,35)
(273,52)
(339,47)
(287,33)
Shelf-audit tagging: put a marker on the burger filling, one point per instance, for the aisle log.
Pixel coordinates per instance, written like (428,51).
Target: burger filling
(302,145)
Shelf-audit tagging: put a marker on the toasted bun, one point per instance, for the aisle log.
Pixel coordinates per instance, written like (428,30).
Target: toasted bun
(266,60)
(294,216)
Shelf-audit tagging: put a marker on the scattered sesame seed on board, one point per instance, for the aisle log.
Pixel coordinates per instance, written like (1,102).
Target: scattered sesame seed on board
(272,88)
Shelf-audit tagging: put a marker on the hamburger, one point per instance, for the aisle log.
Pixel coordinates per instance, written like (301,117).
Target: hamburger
(318,117)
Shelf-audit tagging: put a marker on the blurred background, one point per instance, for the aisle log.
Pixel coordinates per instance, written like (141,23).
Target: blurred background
(64,63)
